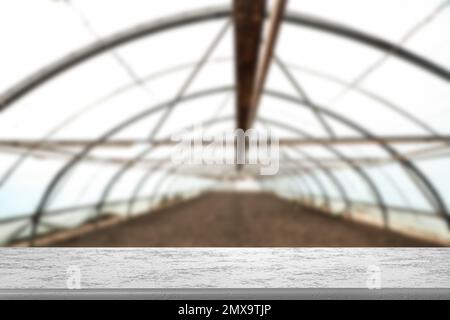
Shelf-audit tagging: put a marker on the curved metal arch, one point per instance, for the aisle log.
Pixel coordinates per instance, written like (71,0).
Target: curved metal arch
(136,190)
(366,178)
(86,150)
(298,178)
(384,102)
(203,15)
(328,112)
(367,93)
(143,180)
(119,174)
(324,193)
(63,171)
(161,181)
(143,30)
(155,130)
(47,73)
(170,185)
(333,179)
(76,115)
(329,173)
(272,186)
(153,201)
(141,183)
(298,187)
(421,181)
(320,24)
(356,168)
(420,178)
(9,173)
(370,40)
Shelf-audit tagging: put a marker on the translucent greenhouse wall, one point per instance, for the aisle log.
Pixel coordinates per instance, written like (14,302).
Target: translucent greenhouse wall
(358,89)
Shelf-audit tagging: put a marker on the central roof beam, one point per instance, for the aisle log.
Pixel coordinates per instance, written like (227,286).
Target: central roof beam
(266,55)
(248,19)
(127,143)
(253,56)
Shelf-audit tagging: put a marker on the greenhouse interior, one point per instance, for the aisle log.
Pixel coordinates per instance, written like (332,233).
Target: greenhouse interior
(350,101)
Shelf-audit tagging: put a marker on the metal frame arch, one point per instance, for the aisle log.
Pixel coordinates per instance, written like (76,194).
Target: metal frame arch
(319,74)
(142,182)
(146,176)
(164,177)
(174,182)
(365,177)
(298,178)
(271,185)
(368,39)
(170,173)
(61,175)
(421,181)
(325,197)
(212,121)
(35,80)
(147,29)
(76,115)
(330,175)
(80,156)
(367,93)
(66,169)
(3,101)
(131,34)
(370,95)
(357,169)
(298,186)
(324,193)
(136,191)
(171,69)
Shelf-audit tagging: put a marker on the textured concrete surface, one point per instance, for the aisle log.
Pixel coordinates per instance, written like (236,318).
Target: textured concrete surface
(208,268)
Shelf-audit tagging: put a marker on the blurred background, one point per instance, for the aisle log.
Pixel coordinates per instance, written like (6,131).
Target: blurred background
(357,92)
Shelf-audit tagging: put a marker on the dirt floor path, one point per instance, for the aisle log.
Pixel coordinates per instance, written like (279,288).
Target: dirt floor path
(240,220)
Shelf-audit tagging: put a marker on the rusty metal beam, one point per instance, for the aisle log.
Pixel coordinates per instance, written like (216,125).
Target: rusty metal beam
(266,55)
(330,163)
(248,19)
(127,143)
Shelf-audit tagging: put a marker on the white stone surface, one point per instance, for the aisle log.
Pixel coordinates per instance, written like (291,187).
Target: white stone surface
(47,268)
